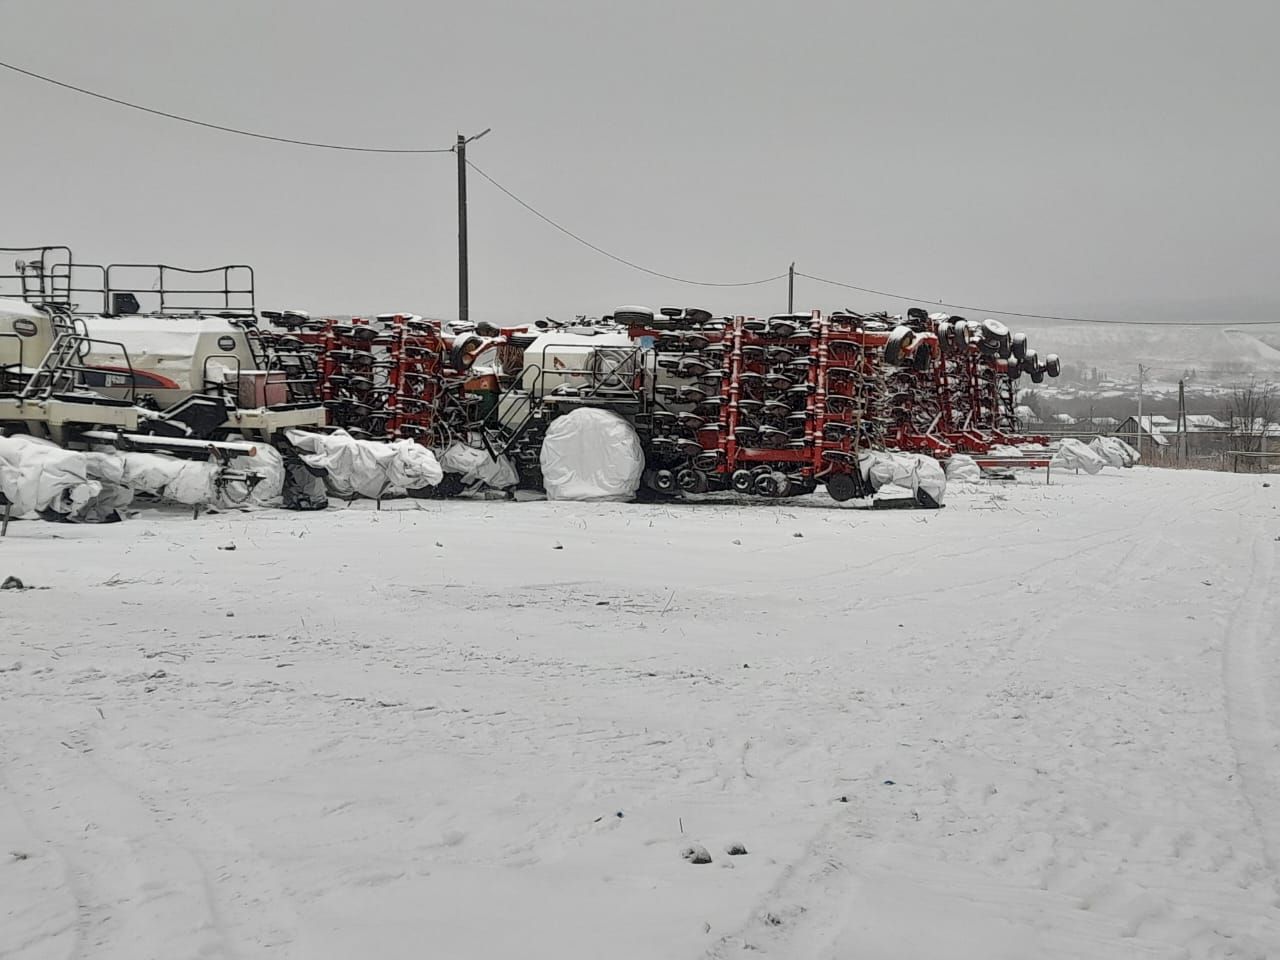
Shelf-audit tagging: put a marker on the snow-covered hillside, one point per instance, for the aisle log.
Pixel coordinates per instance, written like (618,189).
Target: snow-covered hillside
(1219,356)
(1039,723)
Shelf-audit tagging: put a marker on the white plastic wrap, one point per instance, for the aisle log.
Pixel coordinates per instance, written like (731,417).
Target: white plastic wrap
(1114,451)
(39,475)
(1075,454)
(591,454)
(910,471)
(476,466)
(190,482)
(961,468)
(267,464)
(367,468)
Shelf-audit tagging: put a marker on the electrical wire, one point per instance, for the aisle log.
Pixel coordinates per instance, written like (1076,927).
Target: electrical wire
(217,126)
(353,148)
(1043,316)
(612,256)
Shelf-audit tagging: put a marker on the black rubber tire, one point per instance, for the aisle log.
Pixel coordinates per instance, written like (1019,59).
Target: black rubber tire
(897,344)
(766,484)
(1053,365)
(842,487)
(628,317)
(743,481)
(993,330)
(457,355)
(922,357)
(1018,344)
(1037,375)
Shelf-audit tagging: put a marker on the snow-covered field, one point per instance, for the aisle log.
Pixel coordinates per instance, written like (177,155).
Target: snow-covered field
(1040,723)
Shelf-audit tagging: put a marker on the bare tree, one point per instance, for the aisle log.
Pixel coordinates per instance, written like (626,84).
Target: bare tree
(1251,411)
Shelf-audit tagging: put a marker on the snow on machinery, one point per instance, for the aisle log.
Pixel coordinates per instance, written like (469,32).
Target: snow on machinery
(774,407)
(146,357)
(953,385)
(157,357)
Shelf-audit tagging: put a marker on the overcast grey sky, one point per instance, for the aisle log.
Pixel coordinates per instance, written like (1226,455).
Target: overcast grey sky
(1021,154)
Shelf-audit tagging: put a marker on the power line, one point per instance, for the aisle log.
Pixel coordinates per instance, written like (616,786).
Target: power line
(612,256)
(216,126)
(352,148)
(1042,316)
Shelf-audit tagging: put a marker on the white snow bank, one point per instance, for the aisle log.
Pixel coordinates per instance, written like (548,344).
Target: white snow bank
(1075,453)
(367,468)
(525,738)
(591,454)
(476,466)
(910,471)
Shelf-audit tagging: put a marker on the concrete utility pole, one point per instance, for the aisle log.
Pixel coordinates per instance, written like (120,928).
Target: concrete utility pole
(1182,424)
(1142,372)
(460,149)
(791,288)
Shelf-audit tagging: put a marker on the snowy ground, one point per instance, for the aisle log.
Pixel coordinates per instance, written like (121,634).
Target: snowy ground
(1040,723)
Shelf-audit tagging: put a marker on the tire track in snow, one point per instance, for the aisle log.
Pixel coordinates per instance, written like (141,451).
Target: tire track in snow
(806,911)
(1250,727)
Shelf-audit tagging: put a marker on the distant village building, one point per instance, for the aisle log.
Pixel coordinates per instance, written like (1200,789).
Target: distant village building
(1148,437)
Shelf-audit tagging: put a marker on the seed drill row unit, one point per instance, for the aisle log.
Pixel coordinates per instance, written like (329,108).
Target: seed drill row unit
(773,406)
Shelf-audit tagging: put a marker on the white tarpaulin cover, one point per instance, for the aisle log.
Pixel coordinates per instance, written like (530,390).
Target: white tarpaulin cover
(591,454)
(475,465)
(181,481)
(367,468)
(911,471)
(269,466)
(1114,451)
(962,467)
(38,475)
(1075,453)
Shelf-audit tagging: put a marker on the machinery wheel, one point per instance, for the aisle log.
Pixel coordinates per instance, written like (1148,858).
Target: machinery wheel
(944,336)
(1052,365)
(664,481)
(773,484)
(462,354)
(691,481)
(743,481)
(922,357)
(1030,361)
(1018,344)
(1014,368)
(994,330)
(633,316)
(842,487)
(1037,375)
(897,345)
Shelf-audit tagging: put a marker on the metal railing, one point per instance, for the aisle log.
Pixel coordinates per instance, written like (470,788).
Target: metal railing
(51,276)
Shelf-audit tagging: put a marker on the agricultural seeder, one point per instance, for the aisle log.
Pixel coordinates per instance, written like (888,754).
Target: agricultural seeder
(181,361)
(953,385)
